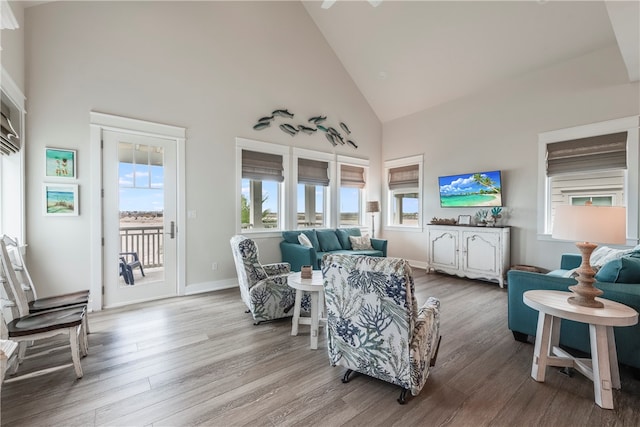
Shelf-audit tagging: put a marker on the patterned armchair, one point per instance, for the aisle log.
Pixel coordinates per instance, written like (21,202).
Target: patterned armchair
(263,288)
(374,326)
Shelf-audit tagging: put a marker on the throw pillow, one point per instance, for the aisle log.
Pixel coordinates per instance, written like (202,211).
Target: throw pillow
(304,240)
(621,270)
(328,240)
(604,254)
(571,273)
(359,243)
(313,237)
(343,236)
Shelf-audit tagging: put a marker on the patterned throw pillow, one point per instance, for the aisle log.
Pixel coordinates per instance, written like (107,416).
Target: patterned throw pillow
(604,254)
(360,242)
(304,240)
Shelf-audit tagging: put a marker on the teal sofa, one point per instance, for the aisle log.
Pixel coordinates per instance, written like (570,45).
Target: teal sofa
(335,241)
(620,281)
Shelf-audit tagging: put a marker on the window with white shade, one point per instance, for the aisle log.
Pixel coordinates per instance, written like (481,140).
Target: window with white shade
(312,193)
(284,188)
(594,164)
(404,185)
(352,185)
(12,159)
(261,190)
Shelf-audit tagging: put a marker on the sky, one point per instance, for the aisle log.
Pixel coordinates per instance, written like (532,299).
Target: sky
(464,184)
(142,189)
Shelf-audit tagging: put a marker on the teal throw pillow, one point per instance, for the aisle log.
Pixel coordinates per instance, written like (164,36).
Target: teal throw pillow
(328,240)
(290,236)
(343,236)
(313,238)
(622,270)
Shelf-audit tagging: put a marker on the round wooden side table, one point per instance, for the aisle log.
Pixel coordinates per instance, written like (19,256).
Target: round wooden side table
(315,287)
(602,368)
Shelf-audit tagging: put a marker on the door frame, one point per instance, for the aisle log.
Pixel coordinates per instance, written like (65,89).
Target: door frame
(98,123)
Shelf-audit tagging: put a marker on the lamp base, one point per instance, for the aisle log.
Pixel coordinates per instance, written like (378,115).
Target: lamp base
(585,292)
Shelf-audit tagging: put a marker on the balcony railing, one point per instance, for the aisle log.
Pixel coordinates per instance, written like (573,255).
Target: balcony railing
(148,242)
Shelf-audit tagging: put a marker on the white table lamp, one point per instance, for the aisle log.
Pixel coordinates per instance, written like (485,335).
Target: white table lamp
(588,224)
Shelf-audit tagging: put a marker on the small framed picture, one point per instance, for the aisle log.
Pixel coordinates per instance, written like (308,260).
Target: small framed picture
(60,163)
(60,199)
(464,219)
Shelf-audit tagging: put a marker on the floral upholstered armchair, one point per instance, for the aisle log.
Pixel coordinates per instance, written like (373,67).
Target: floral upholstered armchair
(263,288)
(374,326)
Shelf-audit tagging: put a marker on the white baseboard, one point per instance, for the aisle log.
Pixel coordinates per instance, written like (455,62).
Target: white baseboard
(198,288)
(418,264)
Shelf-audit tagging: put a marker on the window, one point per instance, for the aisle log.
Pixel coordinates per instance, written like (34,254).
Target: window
(284,188)
(261,193)
(312,193)
(352,184)
(596,163)
(12,159)
(404,183)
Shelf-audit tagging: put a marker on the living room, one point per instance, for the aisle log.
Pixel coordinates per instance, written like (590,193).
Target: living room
(214,68)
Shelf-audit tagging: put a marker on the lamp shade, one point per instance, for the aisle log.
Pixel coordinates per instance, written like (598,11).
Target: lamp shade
(595,224)
(373,207)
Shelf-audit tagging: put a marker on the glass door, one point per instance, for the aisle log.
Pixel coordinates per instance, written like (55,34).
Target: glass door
(139,180)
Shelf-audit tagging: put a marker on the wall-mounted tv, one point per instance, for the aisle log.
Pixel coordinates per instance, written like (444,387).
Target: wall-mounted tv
(471,190)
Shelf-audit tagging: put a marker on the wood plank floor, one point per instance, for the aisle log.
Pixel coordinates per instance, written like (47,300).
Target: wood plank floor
(199,360)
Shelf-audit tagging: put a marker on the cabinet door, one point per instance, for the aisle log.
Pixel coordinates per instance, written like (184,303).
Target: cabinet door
(481,252)
(443,249)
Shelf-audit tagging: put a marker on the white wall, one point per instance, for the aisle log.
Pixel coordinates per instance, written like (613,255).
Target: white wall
(498,129)
(12,42)
(211,67)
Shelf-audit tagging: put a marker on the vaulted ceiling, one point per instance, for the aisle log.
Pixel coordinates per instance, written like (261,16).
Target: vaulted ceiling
(407,56)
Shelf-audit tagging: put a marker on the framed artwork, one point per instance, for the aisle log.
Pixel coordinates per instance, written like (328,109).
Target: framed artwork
(60,163)
(464,219)
(60,199)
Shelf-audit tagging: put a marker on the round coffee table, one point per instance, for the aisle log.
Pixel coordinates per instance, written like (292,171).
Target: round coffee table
(602,368)
(315,287)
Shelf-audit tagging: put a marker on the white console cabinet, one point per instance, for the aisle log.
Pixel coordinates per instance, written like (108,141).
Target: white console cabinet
(473,252)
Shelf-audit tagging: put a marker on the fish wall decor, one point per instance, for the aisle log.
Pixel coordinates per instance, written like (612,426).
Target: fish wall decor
(334,136)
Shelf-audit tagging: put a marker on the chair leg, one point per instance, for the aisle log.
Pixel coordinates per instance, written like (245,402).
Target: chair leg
(347,376)
(403,396)
(432,362)
(84,342)
(131,278)
(75,350)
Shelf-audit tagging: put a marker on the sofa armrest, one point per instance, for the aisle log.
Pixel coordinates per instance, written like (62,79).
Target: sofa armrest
(297,255)
(570,261)
(380,245)
(277,268)
(523,318)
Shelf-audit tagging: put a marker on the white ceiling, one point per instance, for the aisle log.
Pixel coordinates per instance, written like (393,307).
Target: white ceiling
(407,56)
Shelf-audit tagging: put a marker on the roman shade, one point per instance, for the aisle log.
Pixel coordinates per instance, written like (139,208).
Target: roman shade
(404,177)
(352,176)
(9,139)
(262,166)
(587,154)
(313,172)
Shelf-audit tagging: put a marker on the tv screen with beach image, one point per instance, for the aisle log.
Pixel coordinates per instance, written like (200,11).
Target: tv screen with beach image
(471,190)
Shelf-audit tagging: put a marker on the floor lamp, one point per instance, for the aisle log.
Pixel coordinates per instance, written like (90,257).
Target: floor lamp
(372,208)
(587,224)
